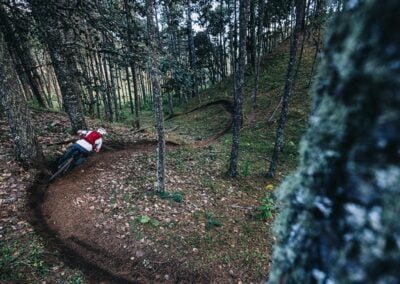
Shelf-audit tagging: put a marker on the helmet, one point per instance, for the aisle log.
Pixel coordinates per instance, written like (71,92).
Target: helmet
(102,131)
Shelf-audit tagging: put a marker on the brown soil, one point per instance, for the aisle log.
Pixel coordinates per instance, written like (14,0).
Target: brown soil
(76,228)
(75,213)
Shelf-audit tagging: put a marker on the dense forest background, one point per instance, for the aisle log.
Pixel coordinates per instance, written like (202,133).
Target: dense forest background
(205,103)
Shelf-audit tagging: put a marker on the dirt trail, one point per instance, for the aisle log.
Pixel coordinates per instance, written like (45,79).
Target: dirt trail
(62,217)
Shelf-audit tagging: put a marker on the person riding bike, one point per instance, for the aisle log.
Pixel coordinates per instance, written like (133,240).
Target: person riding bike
(90,141)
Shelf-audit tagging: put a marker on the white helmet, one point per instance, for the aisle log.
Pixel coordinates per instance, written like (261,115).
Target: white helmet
(102,131)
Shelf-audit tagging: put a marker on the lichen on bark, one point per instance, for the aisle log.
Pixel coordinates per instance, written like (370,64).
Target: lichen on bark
(340,208)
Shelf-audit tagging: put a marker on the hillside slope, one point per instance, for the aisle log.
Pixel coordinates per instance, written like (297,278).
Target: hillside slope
(205,228)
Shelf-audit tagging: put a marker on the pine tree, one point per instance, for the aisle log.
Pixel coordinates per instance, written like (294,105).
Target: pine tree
(58,36)
(154,75)
(237,116)
(258,44)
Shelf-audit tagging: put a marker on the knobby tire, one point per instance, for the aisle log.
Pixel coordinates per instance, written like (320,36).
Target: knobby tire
(63,169)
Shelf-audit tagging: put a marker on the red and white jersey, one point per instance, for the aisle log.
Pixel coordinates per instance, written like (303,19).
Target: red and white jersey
(91,139)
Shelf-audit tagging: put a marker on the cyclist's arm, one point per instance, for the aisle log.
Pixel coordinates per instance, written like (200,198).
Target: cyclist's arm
(82,132)
(98,144)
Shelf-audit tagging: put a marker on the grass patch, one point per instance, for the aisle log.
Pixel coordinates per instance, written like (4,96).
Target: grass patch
(200,124)
(212,221)
(267,207)
(144,219)
(174,196)
(23,260)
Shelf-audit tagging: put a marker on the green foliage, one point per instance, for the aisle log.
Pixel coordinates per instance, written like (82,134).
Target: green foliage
(77,279)
(245,168)
(33,104)
(267,207)
(21,261)
(147,106)
(144,219)
(208,182)
(212,221)
(175,196)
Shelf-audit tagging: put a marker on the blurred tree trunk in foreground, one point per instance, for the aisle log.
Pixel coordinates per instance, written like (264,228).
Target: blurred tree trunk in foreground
(339,222)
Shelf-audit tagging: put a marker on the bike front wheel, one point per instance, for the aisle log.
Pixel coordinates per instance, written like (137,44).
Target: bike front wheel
(64,167)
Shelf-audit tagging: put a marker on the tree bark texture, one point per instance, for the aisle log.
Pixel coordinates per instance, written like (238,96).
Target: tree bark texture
(22,54)
(239,80)
(252,42)
(26,147)
(339,222)
(132,65)
(154,77)
(193,80)
(59,38)
(258,43)
(136,95)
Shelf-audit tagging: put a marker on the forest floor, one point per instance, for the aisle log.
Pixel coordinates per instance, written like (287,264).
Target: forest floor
(104,222)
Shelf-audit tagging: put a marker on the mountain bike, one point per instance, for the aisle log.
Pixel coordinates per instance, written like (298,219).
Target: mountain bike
(67,165)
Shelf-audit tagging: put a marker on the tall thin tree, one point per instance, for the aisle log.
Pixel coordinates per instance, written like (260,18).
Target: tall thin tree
(298,4)
(190,47)
(25,66)
(258,44)
(58,35)
(155,82)
(237,116)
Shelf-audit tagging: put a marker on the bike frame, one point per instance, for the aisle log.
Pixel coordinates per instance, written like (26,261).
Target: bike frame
(66,166)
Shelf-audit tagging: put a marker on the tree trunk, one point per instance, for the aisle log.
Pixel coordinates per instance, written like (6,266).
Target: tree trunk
(132,64)
(129,90)
(113,93)
(340,213)
(22,54)
(288,88)
(261,6)
(190,47)
(135,94)
(107,95)
(143,87)
(59,39)
(154,75)
(237,115)
(26,147)
(252,43)
(103,84)
(46,83)
(221,42)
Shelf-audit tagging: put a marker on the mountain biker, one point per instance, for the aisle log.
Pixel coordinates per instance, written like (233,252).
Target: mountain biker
(90,141)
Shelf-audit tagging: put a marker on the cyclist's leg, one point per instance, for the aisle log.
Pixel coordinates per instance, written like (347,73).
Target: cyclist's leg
(80,161)
(71,151)
(83,154)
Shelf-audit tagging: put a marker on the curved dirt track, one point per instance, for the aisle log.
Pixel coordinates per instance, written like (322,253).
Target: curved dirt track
(60,215)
